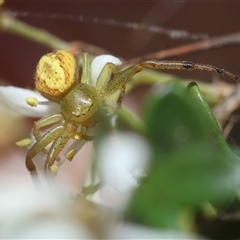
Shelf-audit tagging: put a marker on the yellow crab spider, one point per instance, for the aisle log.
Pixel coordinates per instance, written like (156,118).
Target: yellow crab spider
(57,79)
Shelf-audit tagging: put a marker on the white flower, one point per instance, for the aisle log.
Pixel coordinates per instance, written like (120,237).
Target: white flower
(14,98)
(99,62)
(28,214)
(123,160)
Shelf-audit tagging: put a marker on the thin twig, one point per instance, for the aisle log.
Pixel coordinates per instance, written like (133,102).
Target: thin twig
(203,45)
(15,26)
(225,109)
(213,92)
(228,128)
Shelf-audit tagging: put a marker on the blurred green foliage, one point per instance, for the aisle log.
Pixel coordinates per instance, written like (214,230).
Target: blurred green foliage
(192,165)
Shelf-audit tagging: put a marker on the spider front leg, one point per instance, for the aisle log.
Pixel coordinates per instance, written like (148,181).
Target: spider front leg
(121,79)
(46,121)
(109,72)
(105,75)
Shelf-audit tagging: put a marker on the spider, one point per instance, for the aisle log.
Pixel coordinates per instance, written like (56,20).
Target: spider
(57,79)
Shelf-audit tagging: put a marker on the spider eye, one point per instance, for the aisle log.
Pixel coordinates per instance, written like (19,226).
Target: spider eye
(56,72)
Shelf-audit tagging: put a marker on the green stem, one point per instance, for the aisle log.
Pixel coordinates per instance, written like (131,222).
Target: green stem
(213,92)
(132,121)
(12,25)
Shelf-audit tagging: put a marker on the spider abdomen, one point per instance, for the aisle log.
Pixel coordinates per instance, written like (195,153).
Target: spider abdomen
(80,105)
(56,73)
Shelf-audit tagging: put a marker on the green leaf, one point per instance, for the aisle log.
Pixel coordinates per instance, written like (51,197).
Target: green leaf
(191,165)
(173,119)
(182,179)
(214,133)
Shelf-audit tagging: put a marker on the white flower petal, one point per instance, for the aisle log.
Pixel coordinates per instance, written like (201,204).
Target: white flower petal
(120,158)
(14,98)
(109,196)
(28,214)
(99,62)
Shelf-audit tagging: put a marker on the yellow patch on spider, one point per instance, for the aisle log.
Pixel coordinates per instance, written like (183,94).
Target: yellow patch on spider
(24,142)
(77,136)
(71,154)
(32,101)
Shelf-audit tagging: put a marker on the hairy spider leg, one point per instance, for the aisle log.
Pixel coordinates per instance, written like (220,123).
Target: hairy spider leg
(36,133)
(59,142)
(109,72)
(70,132)
(120,80)
(121,95)
(46,121)
(46,139)
(104,77)
(186,65)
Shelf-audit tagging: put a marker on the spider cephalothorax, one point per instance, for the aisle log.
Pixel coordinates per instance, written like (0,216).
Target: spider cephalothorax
(80,105)
(79,100)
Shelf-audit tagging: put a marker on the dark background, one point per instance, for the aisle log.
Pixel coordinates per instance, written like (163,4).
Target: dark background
(18,56)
